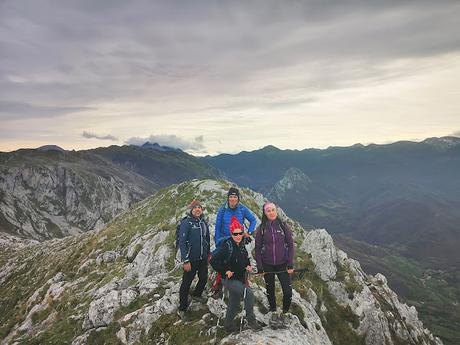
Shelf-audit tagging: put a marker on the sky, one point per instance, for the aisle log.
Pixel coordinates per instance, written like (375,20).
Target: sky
(225,76)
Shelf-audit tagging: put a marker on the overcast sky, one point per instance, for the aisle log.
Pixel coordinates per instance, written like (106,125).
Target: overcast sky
(225,76)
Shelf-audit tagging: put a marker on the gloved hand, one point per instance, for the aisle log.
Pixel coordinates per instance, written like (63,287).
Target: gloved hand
(247,240)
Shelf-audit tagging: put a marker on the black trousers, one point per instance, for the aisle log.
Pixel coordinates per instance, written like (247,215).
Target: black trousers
(200,267)
(285,281)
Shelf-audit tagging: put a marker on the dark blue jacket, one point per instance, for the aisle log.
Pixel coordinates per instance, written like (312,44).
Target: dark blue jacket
(194,242)
(224,216)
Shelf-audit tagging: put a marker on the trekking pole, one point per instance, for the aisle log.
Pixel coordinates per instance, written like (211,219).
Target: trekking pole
(296,270)
(242,314)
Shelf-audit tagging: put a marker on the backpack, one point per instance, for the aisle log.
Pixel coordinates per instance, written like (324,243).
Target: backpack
(178,231)
(229,245)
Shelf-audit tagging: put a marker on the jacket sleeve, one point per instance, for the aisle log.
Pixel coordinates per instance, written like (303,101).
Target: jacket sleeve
(217,260)
(184,246)
(218,229)
(252,219)
(290,245)
(248,261)
(258,248)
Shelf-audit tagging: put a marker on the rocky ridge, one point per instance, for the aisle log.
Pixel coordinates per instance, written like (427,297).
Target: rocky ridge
(120,285)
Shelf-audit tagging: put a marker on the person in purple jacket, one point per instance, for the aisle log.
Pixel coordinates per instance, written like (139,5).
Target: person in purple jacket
(275,253)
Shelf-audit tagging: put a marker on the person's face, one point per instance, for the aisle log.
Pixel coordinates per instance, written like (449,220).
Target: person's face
(197,211)
(232,201)
(237,235)
(271,213)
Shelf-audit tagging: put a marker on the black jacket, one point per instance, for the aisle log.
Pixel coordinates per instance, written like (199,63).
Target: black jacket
(235,259)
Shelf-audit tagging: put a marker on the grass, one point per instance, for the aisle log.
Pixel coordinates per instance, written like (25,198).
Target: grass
(166,331)
(345,275)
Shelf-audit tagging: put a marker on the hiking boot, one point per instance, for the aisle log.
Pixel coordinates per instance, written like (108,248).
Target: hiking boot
(183,316)
(254,325)
(283,320)
(199,299)
(274,321)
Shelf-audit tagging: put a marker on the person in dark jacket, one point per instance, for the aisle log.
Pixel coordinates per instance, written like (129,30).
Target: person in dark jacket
(194,244)
(232,208)
(232,262)
(274,249)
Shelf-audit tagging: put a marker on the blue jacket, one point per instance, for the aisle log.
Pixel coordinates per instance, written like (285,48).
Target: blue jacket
(194,242)
(224,216)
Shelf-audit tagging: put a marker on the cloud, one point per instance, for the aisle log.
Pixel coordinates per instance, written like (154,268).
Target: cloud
(89,135)
(151,62)
(196,144)
(82,52)
(456,134)
(22,110)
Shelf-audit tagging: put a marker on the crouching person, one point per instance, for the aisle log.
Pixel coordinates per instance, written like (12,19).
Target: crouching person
(194,249)
(232,262)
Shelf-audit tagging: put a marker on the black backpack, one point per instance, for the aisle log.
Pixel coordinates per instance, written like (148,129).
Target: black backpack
(225,261)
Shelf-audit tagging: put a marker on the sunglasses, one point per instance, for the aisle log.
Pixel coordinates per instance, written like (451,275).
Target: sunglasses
(237,234)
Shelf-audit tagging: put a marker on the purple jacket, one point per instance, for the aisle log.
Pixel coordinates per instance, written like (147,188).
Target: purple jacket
(274,246)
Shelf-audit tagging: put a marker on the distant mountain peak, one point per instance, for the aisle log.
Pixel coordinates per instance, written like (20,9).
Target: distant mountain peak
(294,180)
(158,147)
(270,148)
(46,148)
(443,142)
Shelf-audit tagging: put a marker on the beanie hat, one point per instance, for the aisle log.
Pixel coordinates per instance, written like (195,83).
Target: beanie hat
(233,191)
(235,224)
(194,203)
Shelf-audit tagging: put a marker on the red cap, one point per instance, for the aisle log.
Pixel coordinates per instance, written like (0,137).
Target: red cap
(235,224)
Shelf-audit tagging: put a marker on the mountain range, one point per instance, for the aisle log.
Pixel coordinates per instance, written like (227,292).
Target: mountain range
(404,195)
(393,207)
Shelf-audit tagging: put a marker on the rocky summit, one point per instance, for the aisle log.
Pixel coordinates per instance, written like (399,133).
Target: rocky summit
(120,286)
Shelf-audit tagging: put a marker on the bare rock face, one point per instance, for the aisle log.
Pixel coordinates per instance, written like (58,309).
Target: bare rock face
(294,180)
(43,202)
(320,245)
(382,317)
(121,284)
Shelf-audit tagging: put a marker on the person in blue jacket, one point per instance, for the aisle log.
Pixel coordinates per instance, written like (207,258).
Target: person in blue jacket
(194,244)
(232,208)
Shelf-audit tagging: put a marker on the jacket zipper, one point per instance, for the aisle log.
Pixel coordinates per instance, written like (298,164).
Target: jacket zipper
(201,240)
(273,238)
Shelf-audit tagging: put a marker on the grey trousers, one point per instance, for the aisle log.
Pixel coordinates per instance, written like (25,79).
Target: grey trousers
(235,290)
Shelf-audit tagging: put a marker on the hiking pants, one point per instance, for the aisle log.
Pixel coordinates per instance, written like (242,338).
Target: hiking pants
(235,290)
(200,266)
(285,281)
